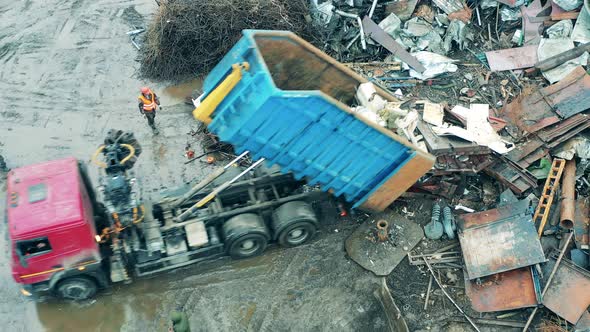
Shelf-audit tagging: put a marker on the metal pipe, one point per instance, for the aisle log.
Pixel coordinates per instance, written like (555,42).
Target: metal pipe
(373,6)
(382,230)
(561,254)
(568,195)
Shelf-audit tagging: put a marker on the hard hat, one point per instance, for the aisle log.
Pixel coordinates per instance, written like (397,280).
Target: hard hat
(145,90)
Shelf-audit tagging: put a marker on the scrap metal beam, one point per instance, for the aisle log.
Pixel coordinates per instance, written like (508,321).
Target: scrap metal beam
(373,31)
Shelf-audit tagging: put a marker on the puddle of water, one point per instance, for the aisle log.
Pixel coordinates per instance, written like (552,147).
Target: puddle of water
(175,94)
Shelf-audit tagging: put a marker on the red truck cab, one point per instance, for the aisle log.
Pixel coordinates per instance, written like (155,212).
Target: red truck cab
(52,230)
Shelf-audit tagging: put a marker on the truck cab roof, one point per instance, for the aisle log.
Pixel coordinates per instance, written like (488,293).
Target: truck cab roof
(42,197)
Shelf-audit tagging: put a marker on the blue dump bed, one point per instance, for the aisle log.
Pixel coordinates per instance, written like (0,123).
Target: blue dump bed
(279,97)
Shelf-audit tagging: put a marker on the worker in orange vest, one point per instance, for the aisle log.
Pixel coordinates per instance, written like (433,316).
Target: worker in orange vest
(148,103)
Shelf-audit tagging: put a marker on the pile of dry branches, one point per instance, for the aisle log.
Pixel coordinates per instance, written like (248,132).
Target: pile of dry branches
(188,37)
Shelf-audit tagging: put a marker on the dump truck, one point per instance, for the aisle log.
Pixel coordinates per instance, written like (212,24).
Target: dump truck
(69,240)
(281,98)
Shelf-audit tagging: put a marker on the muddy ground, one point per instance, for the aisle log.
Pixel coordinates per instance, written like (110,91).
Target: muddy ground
(67,75)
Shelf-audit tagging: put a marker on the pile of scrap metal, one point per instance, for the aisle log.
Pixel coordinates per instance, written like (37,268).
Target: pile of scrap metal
(529,253)
(505,267)
(504,138)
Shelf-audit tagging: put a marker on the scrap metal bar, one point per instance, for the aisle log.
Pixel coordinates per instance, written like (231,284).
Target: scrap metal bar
(561,254)
(375,32)
(546,200)
(449,297)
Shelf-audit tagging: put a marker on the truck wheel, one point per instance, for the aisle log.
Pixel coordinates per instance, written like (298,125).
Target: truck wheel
(296,234)
(245,235)
(76,288)
(294,223)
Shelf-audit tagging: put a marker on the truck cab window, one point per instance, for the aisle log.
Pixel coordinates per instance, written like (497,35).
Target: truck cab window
(33,247)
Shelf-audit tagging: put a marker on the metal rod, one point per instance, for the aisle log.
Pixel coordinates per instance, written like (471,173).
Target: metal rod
(236,159)
(224,186)
(360,22)
(373,6)
(345,14)
(135,44)
(363,40)
(561,254)
(428,293)
(449,297)
(195,189)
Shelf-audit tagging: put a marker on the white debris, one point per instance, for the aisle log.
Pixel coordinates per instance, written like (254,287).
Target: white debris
(435,64)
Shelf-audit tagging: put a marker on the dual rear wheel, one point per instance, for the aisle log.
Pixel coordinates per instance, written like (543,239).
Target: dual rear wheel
(246,235)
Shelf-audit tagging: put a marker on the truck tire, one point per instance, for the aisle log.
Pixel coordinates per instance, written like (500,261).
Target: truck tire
(245,235)
(76,288)
(294,223)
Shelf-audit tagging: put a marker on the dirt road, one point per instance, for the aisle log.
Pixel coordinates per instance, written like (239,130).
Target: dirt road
(66,77)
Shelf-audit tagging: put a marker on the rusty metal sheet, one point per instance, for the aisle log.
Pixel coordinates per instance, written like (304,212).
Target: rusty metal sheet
(543,107)
(522,150)
(493,242)
(472,220)
(557,132)
(373,31)
(519,115)
(582,221)
(571,95)
(503,291)
(568,294)
(513,58)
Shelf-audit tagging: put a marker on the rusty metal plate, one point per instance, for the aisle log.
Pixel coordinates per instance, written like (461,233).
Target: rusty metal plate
(503,291)
(499,240)
(569,293)
(513,58)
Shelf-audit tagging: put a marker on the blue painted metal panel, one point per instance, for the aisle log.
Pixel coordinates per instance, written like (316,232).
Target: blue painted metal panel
(305,132)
